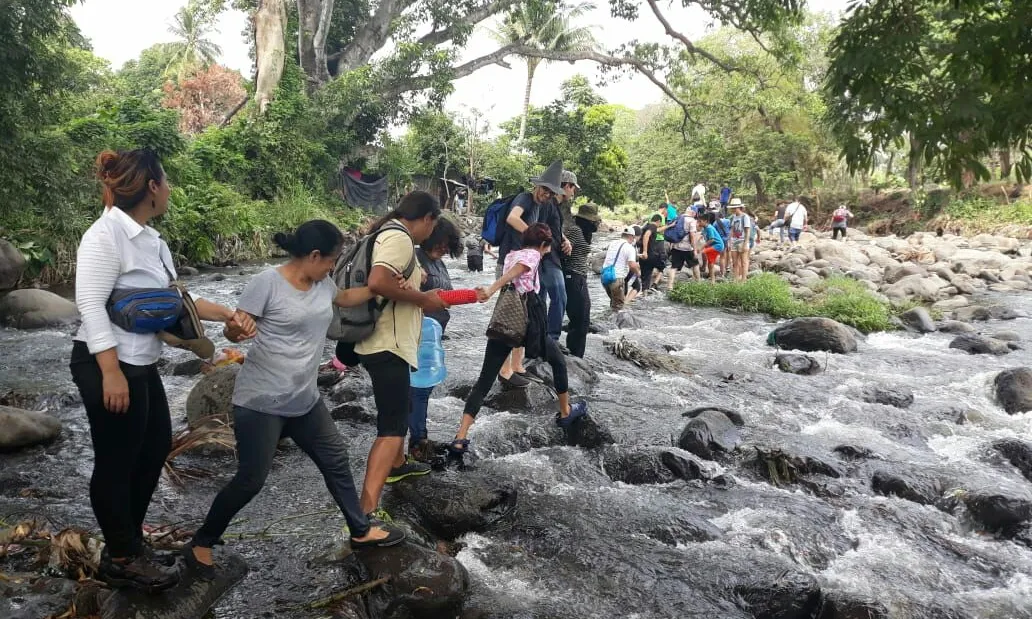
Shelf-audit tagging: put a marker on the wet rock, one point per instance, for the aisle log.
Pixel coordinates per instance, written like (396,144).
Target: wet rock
(838,605)
(193,367)
(212,396)
(351,411)
(789,465)
(12,265)
(588,433)
(1006,336)
(534,397)
(798,364)
(1018,453)
(423,582)
(915,487)
(971,313)
(188,271)
(450,503)
(34,309)
(354,385)
(1014,390)
(328,378)
(955,326)
(21,428)
(580,375)
(918,319)
(30,596)
(793,593)
(735,417)
(645,358)
(648,465)
(900,397)
(219,278)
(1000,312)
(813,334)
(626,319)
(974,344)
(856,452)
(998,513)
(708,434)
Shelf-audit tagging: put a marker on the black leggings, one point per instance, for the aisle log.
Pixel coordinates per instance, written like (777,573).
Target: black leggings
(129,449)
(494,358)
(578,308)
(835,233)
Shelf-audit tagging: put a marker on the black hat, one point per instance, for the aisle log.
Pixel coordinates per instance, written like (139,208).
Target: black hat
(551,178)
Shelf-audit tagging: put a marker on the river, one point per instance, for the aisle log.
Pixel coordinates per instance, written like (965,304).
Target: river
(583,545)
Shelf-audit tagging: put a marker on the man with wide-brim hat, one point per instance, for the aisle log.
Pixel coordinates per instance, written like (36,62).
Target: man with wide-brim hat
(551,272)
(741,229)
(578,229)
(526,209)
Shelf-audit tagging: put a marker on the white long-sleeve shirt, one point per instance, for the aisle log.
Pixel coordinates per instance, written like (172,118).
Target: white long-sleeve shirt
(117,252)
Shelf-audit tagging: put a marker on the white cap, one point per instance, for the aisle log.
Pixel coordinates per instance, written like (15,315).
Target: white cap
(629,230)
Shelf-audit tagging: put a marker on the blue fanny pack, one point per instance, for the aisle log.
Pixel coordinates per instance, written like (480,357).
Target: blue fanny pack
(145,310)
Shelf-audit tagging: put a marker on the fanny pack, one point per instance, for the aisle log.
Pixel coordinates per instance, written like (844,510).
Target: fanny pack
(168,312)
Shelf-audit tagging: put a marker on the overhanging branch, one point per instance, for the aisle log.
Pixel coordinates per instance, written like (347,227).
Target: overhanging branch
(692,49)
(474,17)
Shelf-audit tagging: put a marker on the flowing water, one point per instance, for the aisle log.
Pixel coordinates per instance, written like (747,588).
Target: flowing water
(583,545)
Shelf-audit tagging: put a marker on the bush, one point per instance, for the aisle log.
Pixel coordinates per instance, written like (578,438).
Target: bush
(838,298)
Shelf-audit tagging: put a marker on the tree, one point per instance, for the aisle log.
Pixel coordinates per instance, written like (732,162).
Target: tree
(546,25)
(949,76)
(192,25)
(204,98)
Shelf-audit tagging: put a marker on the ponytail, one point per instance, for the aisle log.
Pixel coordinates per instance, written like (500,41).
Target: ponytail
(413,205)
(315,235)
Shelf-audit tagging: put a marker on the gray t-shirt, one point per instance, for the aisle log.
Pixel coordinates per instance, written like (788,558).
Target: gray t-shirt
(282,366)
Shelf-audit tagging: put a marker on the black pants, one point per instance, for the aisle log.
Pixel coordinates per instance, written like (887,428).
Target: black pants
(257,435)
(835,233)
(129,449)
(578,308)
(648,266)
(494,358)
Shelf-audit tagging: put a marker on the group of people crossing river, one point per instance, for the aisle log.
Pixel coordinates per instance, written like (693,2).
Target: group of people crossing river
(130,303)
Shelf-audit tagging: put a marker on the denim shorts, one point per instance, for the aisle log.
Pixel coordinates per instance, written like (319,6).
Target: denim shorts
(793,233)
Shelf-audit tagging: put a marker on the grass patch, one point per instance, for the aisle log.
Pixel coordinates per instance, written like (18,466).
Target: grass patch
(838,298)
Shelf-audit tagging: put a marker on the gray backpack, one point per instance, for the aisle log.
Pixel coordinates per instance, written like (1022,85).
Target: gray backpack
(354,324)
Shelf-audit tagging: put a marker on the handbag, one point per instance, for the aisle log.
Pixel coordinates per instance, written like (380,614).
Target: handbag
(508,322)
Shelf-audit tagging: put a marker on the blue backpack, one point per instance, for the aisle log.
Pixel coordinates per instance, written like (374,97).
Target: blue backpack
(494,220)
(723,228)
(676,233)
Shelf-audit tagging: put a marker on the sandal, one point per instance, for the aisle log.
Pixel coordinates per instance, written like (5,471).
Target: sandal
(459,447)
(577,410)
(394,537)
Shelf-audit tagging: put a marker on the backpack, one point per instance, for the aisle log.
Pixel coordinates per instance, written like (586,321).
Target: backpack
(839,216)
(723,228)
(354,324)
(494,220)
(677,232)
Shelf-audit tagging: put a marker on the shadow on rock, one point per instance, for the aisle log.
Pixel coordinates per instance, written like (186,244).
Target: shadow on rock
(451,503)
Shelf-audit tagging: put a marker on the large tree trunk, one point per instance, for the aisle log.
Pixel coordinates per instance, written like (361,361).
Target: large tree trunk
(1005,163)
(889,164)
(914,163)
(270,47)
(313,28)
(531,67)
(761,189)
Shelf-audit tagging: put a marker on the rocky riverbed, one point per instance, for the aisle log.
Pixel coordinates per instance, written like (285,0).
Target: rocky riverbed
(889,479)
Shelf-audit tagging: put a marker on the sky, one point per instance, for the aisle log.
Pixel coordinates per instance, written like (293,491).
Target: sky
(119,33)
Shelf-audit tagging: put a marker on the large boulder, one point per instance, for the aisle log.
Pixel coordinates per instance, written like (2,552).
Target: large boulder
(35,309)
(974,261)
(814,334)
(20,428)
(649,465)
(534,397)
(836,251)
(894,274)
(212,396)
(974,344)
(451,502)
(955,326)
(1014,390)
(918,319)
(423,582)
(998,513)
(1018,453)
(709,433)
(12,265)
(916,487)
(971,313)
(917,287)
(626,319)
(580,375)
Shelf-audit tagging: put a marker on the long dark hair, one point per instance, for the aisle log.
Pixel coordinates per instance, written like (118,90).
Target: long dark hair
(315,235)
(126,176)
(445,235)
(413,205)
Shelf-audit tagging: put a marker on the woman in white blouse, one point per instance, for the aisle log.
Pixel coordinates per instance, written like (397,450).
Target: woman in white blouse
(115,370)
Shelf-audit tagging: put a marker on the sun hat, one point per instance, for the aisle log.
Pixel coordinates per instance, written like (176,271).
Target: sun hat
(551,178)
(736,203)
(570,178)
(630,231)
(590,212)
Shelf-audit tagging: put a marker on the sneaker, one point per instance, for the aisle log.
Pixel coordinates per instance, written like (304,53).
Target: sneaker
(409,469)
(577,410)
(136,573)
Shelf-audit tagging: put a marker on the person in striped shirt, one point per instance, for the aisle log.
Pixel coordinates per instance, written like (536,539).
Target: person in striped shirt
(578,229)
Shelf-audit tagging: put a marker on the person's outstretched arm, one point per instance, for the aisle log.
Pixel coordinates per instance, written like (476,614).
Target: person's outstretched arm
(514,271)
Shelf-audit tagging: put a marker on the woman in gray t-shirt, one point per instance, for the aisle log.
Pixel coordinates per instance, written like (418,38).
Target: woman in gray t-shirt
(276,393)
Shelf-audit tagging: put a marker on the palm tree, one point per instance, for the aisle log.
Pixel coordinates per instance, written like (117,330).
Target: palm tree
(193,24)
(546,25)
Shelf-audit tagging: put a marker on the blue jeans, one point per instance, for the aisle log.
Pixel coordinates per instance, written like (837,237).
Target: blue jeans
(417,414)
(554,285)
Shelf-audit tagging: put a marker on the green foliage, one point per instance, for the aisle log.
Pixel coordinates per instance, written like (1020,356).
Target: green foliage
(950,75)
(838,298)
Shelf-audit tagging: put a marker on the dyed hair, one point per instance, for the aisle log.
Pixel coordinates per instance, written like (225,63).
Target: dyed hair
(537,235)
(315,235)
(126,176)
(413,205)
(445,235)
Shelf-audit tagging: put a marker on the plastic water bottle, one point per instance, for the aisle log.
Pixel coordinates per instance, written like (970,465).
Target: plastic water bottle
(430,356)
